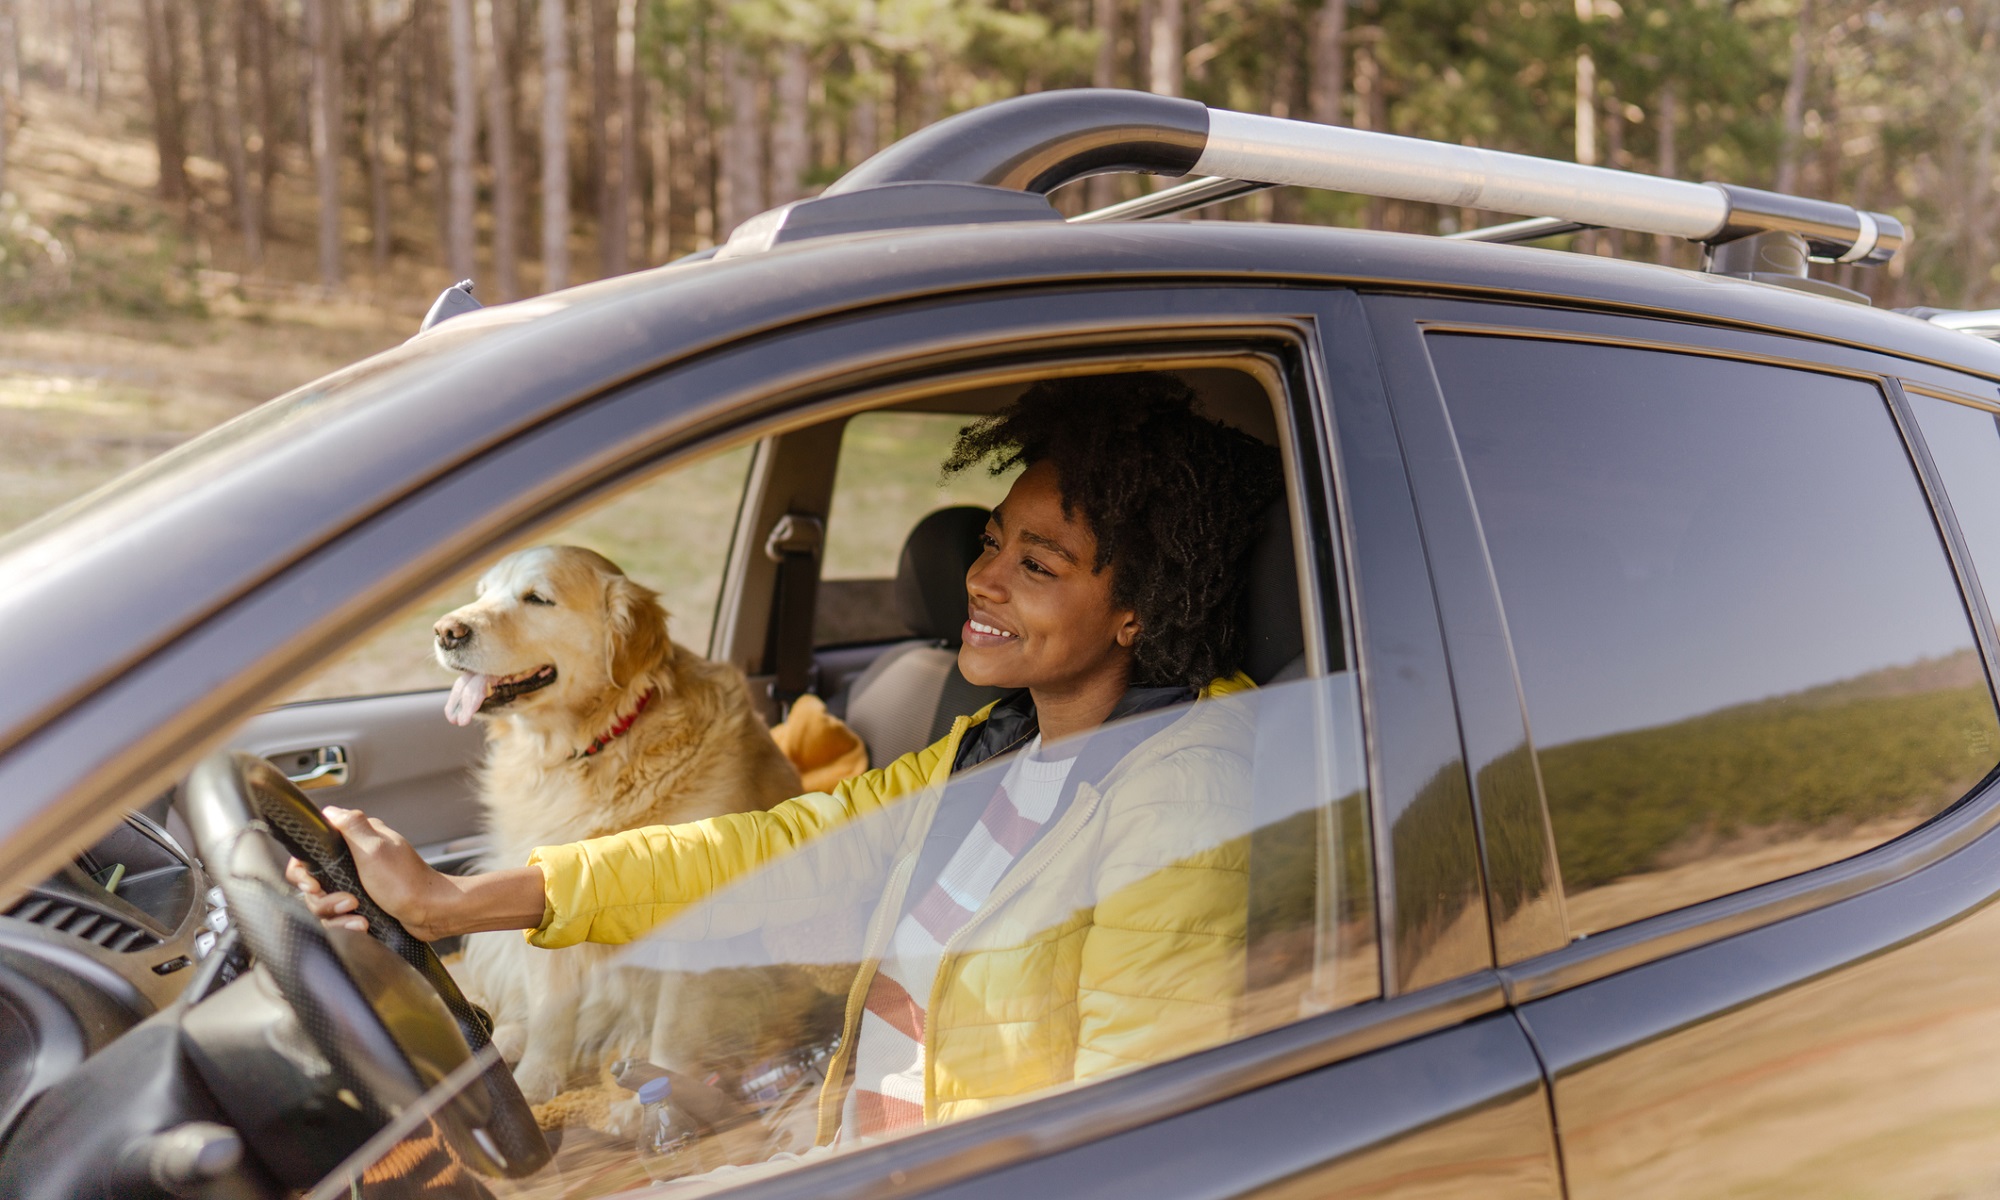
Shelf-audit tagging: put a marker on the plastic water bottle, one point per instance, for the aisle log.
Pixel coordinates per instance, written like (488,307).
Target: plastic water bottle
(667,1137)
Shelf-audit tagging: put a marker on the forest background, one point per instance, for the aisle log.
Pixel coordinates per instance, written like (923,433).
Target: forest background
(204,202)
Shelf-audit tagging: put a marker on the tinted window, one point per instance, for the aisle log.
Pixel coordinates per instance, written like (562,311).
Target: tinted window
(1965,444)
(1742,648)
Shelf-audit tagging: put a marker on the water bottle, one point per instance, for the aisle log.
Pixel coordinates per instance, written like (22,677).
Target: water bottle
(667,1138)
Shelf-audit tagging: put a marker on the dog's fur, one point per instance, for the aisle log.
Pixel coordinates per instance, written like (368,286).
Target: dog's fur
(697,750)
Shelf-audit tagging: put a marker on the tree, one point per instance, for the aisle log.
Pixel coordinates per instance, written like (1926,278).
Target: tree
(555,144)
(500,153)
(163,78)
(460,245)
(322,33)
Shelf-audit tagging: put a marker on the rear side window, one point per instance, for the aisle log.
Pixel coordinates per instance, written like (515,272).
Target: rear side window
(1742,648)
(1965,444)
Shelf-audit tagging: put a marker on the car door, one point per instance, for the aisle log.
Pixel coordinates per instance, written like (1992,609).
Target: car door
(1725,673)
(1395,1063)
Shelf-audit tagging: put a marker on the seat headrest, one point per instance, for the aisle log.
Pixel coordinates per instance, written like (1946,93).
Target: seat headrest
(930,576)
(1272,634)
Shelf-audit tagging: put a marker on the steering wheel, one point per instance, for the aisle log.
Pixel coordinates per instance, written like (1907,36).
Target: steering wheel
(242,810)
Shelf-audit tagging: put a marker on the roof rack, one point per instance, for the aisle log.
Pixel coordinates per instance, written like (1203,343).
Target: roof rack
(1039,142)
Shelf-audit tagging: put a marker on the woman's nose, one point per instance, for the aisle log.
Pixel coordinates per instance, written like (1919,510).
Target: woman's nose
(979,579)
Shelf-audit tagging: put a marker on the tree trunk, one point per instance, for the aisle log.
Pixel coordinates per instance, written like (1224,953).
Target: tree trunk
(163,78)
(555,145)
(1329,62)
(374,117)
(661,145)
(259,32)
(1794,107)
(500,152)
(790,125)
(322,31)
(460,247)
(742,150)
(1166,48)
(229,98)
(618,217)
(208,59)
(600,180)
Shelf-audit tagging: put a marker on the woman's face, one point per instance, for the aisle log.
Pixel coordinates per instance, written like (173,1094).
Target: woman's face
(1040,617)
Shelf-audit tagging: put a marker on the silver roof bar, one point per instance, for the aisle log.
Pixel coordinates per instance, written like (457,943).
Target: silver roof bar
(1038,142)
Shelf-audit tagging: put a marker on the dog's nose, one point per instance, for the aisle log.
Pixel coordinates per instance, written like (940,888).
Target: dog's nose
(452,634)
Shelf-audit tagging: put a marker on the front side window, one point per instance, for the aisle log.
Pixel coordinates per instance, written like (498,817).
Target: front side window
(1742,648)
(929,944)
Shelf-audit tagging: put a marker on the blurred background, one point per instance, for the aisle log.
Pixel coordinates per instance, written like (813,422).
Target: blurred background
(206,202)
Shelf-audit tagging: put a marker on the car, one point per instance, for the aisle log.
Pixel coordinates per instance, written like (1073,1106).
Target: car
(1618,800)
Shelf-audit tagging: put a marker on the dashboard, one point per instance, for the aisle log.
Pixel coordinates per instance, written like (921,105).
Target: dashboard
(114,936)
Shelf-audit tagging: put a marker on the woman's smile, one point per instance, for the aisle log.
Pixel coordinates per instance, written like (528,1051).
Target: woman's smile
(1040,613)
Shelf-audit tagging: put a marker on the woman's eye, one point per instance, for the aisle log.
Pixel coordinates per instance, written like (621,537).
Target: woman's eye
(989,542)
(1035,568)
(538,598)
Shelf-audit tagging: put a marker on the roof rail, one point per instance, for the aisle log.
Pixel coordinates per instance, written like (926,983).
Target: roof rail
(1041,141)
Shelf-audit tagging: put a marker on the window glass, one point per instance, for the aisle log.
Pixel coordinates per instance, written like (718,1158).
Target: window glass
(1965,444)
(1165,884)
(1742,648)
(887,480)
(670,533)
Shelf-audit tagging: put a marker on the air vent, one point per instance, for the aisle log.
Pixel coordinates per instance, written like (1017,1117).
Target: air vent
(88,924)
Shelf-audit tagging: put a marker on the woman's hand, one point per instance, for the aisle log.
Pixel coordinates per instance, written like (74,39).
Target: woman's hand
(429,903)
(397,879)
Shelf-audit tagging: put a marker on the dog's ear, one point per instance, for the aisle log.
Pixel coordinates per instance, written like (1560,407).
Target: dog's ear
(636,629)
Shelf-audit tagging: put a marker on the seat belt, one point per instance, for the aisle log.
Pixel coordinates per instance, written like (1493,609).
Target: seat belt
(794,544)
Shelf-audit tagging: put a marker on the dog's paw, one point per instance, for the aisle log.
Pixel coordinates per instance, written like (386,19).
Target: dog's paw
(511,1040)
(540,1082)
(622,1118)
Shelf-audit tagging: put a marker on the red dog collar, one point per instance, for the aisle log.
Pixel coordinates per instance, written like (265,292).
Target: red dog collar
(618,730)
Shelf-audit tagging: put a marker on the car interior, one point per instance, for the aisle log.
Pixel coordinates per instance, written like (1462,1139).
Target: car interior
(840,576)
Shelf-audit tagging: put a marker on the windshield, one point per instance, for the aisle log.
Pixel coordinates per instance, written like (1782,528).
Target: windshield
(922,950)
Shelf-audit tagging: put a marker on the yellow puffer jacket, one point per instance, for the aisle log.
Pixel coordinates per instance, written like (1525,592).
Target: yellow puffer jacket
(1116,940)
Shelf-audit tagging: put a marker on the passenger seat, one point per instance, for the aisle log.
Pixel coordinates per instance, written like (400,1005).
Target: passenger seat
(908,697)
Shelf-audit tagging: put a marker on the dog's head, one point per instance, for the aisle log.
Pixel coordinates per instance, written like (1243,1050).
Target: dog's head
(554,628)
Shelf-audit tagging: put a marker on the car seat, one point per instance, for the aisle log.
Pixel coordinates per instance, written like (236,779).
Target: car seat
(906,699)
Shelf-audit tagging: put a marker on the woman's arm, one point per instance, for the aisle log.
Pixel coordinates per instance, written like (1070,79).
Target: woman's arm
(429,903)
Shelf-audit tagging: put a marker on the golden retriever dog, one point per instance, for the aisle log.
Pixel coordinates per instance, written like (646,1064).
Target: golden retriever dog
(596,723)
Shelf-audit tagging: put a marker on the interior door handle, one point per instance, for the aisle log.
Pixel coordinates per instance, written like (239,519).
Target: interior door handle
(320,767)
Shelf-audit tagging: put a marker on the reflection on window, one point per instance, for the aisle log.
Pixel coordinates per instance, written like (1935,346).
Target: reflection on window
(1199,874)
(1743,650)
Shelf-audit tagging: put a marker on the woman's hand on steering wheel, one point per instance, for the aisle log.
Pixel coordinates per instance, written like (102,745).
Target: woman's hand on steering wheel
(396,876)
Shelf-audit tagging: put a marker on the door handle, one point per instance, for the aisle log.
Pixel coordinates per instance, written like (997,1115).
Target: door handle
(320,767)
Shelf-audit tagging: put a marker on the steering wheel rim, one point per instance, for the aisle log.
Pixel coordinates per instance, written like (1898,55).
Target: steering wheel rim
(239,805)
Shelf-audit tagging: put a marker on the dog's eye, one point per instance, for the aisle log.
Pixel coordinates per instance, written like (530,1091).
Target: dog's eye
(538,598)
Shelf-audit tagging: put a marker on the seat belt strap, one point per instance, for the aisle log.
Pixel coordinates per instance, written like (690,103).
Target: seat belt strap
(795,544)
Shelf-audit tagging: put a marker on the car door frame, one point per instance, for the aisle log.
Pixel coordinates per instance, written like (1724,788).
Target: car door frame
(1584,1001)
(1442,1005)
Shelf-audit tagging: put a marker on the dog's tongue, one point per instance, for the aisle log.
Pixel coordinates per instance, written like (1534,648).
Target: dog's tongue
(466,696)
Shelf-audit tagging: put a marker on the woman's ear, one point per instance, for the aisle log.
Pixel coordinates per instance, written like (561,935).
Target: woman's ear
(1129,630)
(635,630)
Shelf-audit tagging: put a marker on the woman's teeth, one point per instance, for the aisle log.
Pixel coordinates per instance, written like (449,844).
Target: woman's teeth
(990,631)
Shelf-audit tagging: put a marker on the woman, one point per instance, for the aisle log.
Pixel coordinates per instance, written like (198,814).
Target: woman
(1087,913)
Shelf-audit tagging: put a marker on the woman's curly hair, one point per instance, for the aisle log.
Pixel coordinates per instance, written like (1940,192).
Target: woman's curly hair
(1174,499)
